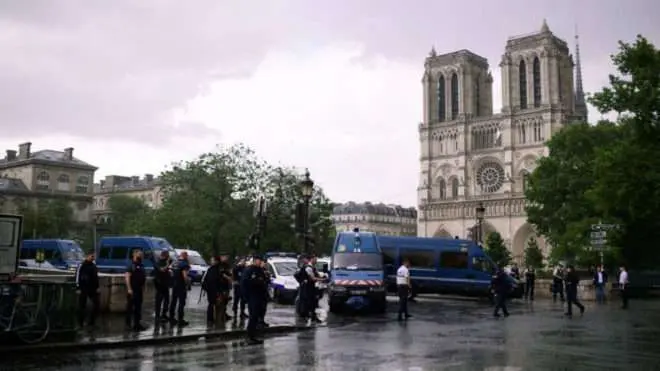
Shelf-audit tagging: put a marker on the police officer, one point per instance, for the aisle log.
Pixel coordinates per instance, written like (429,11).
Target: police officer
(135,278)
(501,286)
(87,287)
(530,282)
(558,282)
(515,271)
(403,288)
(162,283)
(224,287)
(255,286)
(572,281)
(179,290)
(308,297)
(237,272)
(211,284)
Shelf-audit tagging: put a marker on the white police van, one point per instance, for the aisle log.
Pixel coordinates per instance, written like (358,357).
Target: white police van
(283,286)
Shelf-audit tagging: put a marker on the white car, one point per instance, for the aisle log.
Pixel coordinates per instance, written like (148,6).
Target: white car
(198,265)
(283,286)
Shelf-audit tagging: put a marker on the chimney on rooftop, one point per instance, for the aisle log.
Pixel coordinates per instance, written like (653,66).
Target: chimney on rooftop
(24,150)
(68,154)
(11,155)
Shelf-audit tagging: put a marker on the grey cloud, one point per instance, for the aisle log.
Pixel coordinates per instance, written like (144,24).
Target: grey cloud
(118,68)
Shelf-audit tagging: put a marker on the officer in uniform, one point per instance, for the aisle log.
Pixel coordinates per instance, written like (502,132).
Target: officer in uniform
(162,283)
(572,281)
(135,279)
(237,272)
(255,286)
(530,282)
(308,296)
(211,284)
(224,287)
(180,290)
(501,286)
(403,288)
(87,287)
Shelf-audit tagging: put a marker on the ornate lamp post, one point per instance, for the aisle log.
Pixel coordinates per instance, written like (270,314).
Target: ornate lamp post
(479,213)
(307,190)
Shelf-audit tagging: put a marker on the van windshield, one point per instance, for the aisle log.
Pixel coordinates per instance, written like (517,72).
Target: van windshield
(351,242)
(196,260)
(72,251)
(358,261)
(162,244)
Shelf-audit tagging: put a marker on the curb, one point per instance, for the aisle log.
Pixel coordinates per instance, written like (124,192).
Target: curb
(92,345)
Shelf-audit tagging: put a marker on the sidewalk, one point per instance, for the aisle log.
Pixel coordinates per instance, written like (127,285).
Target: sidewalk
(110,331)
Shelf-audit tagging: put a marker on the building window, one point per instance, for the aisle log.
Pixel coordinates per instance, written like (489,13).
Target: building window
(454,188)
(538,133)
(524,176)
(442,113)
(454,260)
(454,96)
(522,77)
(419,259)
(536,79)
(83,184)
(441,192)
(490,177)
(43,181)
(522,133)
(63,183)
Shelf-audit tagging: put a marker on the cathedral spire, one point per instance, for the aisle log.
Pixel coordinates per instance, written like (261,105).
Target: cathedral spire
(580,104)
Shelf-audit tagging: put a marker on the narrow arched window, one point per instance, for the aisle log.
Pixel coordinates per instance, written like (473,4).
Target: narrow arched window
(522,77)
(454,188)
(442,189)
(454,96)
(442,107)
(477,97)
(536,78)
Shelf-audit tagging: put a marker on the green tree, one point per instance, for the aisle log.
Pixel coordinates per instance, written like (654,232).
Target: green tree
(533,254)
(130,215)
(496,249)
(558,190)
(49,219)
(627,174)
(208,202)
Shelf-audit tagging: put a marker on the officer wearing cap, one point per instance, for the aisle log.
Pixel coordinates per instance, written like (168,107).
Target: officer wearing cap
(255,285)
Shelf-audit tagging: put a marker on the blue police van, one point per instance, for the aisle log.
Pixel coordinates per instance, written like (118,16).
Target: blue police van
(62,254)
(113,254)
(356,273)
(441,266)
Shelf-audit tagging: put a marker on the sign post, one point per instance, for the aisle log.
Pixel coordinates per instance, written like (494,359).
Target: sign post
(599,237)
(11,230)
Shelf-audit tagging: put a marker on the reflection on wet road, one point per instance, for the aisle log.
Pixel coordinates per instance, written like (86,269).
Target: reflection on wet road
(443,335)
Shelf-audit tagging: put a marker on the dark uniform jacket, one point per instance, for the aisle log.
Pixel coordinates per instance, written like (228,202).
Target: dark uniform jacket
(572,280)
(87,277)
(138,275)
(501,284)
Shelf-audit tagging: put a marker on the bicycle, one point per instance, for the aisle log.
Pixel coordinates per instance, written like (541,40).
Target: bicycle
(28,322)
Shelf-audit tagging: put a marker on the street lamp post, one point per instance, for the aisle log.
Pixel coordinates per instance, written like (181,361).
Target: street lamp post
(307,190)
(479,213)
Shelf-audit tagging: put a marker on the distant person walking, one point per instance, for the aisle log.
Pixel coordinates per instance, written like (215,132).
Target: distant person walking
(403,287)
(600,281)
(501,287)
(530,282)
(572,282)
(180,290)
(558,283)
(623,286)
(87,287)
(162,284)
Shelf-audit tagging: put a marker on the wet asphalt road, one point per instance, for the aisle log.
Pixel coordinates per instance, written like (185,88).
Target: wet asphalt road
(443,335)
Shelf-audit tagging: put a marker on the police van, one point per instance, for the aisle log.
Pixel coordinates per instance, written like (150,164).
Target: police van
(62,254)
(114,254)
(283,286)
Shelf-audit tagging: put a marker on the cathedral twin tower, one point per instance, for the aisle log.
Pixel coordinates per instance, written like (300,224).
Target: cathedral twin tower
(471,156)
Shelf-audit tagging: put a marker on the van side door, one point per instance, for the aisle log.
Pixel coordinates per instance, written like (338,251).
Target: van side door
(481,270)
(454,271)
(423,268)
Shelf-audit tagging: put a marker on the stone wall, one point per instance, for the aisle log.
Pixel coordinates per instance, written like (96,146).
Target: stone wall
(112,287)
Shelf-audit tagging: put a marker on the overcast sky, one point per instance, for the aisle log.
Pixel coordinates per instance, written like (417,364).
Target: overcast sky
(330,85)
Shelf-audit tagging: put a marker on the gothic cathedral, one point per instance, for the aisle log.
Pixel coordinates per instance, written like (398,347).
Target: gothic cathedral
(470,156)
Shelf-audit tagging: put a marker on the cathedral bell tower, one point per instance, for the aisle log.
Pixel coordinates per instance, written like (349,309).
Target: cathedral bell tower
(537,72)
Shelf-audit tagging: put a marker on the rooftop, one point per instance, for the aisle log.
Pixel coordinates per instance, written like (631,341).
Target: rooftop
(374,209)
(25,155)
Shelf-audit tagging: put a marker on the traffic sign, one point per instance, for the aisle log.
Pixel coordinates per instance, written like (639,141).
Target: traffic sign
(598,235)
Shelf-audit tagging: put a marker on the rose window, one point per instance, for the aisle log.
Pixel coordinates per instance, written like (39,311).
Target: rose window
(490,177)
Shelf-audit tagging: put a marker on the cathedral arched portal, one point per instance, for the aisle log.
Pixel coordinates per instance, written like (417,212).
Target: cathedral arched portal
(521,240)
